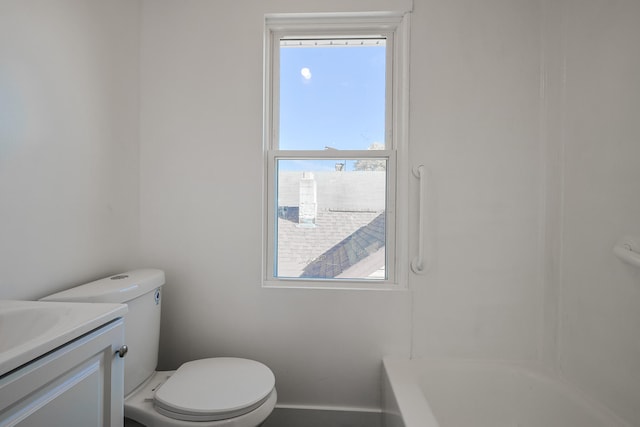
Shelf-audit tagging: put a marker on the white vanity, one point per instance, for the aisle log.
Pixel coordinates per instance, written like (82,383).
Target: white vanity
(61,364)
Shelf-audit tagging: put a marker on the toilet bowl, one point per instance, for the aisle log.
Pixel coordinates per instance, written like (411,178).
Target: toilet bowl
(213,392)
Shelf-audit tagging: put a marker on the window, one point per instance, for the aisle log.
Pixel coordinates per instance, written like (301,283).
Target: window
(335,125)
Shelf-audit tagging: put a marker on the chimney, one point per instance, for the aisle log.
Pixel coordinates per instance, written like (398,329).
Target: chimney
(308,207)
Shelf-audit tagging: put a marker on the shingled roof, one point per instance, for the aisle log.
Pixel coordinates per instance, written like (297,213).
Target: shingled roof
(342,236)
(359,245)
(312,252)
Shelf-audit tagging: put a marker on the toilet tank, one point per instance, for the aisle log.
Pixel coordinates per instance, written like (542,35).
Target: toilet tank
(140,290)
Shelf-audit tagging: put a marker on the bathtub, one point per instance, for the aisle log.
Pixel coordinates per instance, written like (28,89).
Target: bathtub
(448,393)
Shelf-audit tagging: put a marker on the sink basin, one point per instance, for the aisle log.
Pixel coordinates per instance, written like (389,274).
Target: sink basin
(30,329)
(21,324)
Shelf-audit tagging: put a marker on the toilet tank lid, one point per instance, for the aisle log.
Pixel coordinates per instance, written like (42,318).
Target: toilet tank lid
(119,288)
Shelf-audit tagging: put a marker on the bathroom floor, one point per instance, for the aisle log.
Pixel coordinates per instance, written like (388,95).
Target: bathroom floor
(287,417)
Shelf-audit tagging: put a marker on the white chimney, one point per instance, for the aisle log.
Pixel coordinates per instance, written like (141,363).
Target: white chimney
(308,207)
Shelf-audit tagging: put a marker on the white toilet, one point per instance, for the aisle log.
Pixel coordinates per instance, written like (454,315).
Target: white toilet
(224,391)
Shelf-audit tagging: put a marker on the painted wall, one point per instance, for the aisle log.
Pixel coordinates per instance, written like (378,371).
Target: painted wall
(68,142)
(600,295)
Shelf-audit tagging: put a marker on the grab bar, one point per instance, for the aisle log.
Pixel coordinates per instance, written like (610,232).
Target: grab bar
(418,263)
(628,250)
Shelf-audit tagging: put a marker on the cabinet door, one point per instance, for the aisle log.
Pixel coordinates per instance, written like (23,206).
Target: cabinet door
(80,384)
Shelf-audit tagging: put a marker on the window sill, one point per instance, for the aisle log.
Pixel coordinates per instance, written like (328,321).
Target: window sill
(333,285)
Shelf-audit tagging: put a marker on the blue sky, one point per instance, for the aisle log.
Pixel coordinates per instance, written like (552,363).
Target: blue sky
(332,96)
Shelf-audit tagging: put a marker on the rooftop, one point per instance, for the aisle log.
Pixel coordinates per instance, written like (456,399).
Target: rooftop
(312,252)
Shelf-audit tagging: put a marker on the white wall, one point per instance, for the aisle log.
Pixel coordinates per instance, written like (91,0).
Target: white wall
(475,108)
(68,142)
(600,295)
(201,214)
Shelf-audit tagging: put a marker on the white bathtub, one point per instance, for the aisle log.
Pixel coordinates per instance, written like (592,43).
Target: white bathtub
(447,393)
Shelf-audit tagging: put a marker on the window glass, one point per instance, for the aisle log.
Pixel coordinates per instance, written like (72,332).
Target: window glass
(332,94)
(331,219)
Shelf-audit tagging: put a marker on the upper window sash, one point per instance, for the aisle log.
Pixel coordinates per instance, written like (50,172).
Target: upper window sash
(292,27)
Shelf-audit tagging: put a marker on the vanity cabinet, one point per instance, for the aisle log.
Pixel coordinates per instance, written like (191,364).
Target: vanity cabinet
(80,384)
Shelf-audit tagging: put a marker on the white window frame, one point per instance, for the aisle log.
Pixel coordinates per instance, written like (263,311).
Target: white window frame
(395,28)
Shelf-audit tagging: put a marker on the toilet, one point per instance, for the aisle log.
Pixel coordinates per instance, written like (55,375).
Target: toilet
(213,392)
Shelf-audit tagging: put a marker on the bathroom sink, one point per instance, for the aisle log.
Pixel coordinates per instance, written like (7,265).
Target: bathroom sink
(30,329)
(21,324)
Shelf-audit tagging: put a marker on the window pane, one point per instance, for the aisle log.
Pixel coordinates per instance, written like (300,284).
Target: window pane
(331,219)
(332,94)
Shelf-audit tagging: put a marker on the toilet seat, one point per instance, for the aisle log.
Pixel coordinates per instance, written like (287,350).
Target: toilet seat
(214,389)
